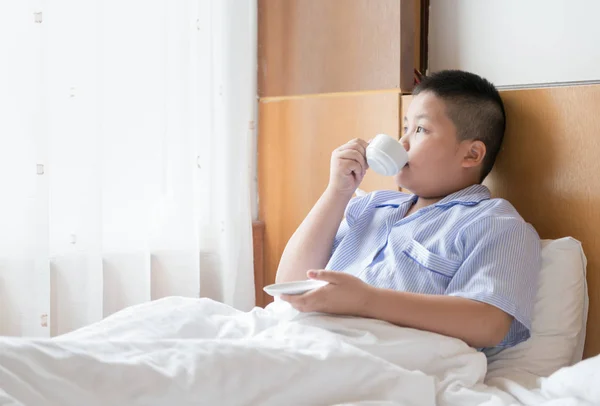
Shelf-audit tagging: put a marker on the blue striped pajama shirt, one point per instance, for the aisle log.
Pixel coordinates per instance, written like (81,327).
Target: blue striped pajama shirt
(467,245)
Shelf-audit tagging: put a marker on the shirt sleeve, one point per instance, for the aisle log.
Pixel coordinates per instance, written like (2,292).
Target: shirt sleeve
(354,209)
(501,266)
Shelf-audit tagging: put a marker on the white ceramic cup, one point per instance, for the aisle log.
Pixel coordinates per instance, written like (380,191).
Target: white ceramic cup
(385,155)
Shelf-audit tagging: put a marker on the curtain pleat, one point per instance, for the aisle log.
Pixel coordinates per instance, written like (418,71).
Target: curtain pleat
(125,157)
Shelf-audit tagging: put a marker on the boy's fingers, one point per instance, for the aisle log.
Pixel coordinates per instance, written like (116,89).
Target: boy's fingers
(357,146)
(291,299)
(363,143)
(359,141)
(353,155)
(299,302)
(350,165)
(322,275)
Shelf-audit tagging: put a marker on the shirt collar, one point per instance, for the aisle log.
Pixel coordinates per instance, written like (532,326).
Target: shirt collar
(468,196)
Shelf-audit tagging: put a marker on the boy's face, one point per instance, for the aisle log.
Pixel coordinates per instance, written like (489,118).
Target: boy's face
(436,165)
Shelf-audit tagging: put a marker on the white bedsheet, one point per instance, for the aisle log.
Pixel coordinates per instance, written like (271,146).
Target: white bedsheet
(179,351)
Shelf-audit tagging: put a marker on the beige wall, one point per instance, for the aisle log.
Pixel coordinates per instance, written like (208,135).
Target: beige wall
(516,42)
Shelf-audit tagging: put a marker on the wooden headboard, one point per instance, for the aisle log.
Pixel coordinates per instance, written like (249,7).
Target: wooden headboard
(549,166)
(549,169)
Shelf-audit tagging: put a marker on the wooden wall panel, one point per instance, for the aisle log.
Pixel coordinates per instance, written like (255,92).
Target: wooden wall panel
(324,46)
(258,238)
(296,139)
(549,170)
(417,33)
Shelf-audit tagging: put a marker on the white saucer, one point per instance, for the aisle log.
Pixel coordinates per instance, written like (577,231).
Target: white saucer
(293,288)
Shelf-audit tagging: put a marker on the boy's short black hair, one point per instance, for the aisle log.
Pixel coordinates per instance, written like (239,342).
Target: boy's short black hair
(474,106)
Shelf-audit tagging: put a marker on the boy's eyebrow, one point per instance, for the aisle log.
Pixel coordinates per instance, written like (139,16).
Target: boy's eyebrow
(418,116)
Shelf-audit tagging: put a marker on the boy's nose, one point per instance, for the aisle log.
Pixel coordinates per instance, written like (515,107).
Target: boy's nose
(404,142)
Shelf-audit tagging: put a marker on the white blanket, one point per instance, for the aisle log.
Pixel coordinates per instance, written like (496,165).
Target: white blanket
(179,351)
(578,385)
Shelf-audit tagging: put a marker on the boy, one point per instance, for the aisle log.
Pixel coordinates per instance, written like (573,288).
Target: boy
(448,258)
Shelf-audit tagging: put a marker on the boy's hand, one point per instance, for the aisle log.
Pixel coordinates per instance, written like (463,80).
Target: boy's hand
(345,295)
(348,166)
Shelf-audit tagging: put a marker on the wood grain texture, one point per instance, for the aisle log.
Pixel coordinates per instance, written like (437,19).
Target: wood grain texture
(549,170)
(417,29)
(296,138)
(408,43)
(258,238)
(324,46)
(423,42)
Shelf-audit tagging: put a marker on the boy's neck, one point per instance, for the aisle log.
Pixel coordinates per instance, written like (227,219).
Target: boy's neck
(421,203)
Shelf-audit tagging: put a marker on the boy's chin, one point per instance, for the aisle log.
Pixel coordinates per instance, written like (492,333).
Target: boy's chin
(400,185)
(402,179)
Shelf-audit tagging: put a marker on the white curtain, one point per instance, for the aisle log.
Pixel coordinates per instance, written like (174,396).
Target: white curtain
(126,157)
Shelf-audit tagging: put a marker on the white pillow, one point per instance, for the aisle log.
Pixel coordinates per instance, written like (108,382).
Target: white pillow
(559,316)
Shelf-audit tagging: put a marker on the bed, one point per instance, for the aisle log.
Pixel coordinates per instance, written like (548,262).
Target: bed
(196,351)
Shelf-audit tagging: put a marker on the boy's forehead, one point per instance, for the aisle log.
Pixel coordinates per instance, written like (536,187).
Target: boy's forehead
(426,105)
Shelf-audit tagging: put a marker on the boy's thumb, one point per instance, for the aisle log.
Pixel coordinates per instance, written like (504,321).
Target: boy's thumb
(322,275)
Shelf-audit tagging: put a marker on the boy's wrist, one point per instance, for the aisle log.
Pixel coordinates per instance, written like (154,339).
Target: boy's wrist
(379,301)
(368,303)
(342,196)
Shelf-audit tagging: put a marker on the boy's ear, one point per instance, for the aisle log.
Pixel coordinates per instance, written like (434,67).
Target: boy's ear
(474,155)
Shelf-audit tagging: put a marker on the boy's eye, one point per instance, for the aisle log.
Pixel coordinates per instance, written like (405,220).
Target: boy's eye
(420,130)
(405,129)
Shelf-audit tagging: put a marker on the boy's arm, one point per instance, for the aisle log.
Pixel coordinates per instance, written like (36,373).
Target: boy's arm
(476,323)
(310,246)
(497,281)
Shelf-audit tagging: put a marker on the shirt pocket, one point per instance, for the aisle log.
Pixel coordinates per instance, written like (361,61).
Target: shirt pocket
(432,262)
